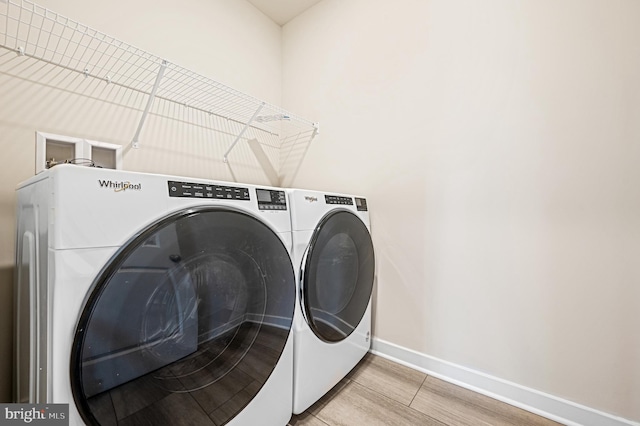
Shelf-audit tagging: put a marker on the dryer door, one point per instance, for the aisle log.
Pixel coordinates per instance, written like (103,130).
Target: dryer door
(186,323)
(337,276)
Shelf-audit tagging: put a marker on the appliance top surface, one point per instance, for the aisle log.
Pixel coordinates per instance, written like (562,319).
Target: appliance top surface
(94,207)
(81,172)
(308,207)
(310,192)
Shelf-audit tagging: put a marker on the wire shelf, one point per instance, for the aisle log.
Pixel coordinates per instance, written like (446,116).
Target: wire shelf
(33,31)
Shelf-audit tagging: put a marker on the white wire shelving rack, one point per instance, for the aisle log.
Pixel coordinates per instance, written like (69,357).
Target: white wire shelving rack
(33,31)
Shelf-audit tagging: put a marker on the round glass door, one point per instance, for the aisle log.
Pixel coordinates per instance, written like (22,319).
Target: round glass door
(337,279)
(186,323)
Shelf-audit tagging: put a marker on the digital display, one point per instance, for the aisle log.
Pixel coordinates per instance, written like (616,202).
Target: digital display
(269,199)
(361,204)
(263,195)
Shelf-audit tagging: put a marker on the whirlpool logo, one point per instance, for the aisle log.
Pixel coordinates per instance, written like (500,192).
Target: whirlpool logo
(120,186)
(310,199)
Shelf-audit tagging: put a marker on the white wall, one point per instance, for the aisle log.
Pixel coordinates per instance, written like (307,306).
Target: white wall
(497,143)
(229,41)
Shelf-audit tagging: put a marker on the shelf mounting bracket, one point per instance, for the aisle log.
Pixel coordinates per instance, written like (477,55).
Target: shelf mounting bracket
(152,95)
(316,131)
(244,129)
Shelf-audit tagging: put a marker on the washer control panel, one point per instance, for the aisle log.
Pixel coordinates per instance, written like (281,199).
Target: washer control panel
(201,190)
(334,199)
(361,204)
(269,199)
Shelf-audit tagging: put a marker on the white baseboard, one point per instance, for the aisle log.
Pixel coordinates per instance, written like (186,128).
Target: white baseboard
(543,404)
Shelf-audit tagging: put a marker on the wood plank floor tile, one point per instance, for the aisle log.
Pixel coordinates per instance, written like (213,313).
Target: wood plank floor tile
(164,411)
(513,415)
(388,378)
(136,395)
(457,406)
(103,410)
(356,405)
(374,392)
(306,419)
(333,393)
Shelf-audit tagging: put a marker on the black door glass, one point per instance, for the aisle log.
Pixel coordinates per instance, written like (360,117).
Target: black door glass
(338,276)
(187,322)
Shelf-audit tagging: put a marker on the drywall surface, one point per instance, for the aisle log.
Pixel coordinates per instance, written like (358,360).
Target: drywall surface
(497,144)
(229,41)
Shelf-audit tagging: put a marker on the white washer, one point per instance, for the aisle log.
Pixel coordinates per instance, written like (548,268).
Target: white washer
(334,262)
(149,299)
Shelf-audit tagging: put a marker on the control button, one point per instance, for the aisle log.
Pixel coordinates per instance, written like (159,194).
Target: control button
(199,190)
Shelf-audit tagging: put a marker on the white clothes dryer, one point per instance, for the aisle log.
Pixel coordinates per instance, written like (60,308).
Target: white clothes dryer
(150,299)
(334,261)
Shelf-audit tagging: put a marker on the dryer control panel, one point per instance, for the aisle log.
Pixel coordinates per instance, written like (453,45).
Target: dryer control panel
(268,199)
(334,199)
(201,190)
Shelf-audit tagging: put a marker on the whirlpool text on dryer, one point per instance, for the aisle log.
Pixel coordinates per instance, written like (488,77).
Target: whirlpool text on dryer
(119,186)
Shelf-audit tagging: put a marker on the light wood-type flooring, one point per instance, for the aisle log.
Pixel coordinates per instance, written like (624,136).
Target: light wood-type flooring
(381,392)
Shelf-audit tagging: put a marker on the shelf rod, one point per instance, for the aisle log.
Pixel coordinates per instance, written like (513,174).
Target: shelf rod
(246,126)
(152,95)
(111,80)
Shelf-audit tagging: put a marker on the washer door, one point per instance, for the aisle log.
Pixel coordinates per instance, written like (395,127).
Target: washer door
(186,323)
(337,276)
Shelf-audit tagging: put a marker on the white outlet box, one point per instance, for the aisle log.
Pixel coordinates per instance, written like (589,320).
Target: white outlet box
(56,149)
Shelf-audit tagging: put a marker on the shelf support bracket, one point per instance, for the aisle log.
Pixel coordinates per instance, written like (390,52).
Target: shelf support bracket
(152,95)
(244,129)
(264,162)
(316,131)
